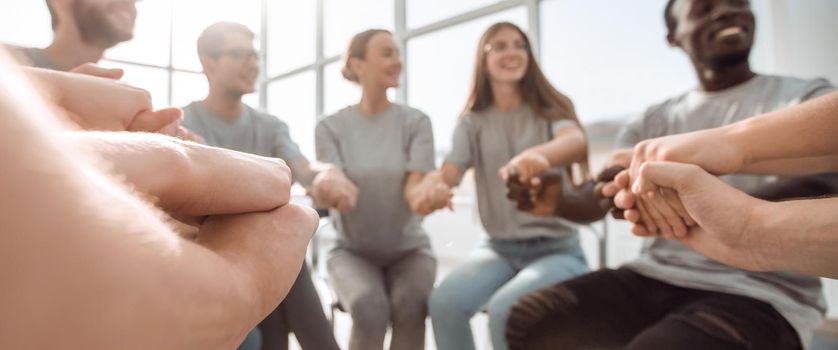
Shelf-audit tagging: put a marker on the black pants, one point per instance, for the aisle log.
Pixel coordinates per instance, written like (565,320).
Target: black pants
(300,313)
(621,309)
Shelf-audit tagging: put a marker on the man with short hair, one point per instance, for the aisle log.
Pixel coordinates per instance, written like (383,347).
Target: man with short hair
(672,297)
(83,30)
(231,66)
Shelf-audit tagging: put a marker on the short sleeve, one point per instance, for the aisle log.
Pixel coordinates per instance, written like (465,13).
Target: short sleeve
(817,88)
(559,125)
(421,146)
(462,148)
(631,133)
(326,145)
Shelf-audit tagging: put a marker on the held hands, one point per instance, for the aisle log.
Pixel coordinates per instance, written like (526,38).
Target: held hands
(656,209)
(541,196)
(526,166)
(331,188)
(433,194)
(545,196)
(721,216)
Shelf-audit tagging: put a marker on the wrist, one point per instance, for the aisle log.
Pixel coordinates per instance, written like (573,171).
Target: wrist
(759,237)
(737,136)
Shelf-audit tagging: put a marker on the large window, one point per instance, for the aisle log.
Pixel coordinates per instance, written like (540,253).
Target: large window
(292,99)
(620,65)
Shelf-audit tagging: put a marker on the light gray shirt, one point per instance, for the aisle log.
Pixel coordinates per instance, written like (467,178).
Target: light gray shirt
(797,297)
(486,141)
(376,153)
(32,56)
(252,132)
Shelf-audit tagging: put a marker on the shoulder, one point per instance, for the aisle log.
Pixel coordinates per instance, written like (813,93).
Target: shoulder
(264,118)
(797,88)
(191,109)
(659,112)
(333,120)
(191,112)
(412,116)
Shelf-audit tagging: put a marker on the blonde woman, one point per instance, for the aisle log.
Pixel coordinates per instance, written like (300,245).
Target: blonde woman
(382,269)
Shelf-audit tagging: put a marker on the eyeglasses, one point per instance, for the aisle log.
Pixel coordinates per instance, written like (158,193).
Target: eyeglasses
(241,54)
(503,46)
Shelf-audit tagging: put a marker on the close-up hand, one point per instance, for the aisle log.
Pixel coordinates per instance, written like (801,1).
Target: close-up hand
(721,212)
(105,104)
(660,211)
(541,196)
(436,194)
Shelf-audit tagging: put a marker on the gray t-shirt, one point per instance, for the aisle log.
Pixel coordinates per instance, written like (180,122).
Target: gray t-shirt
(32,56)
(797,297)
(486,141)
(253,132)
(376,153)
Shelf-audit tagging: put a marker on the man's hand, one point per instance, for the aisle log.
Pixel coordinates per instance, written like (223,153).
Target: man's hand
(721,212)
(189,180)
(102,104)
(542,196)
(710,149)
(95,70)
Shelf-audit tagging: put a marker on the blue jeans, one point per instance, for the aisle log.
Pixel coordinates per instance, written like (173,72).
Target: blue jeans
(495,275)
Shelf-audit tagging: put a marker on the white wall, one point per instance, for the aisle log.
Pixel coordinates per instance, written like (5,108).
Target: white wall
(804,38)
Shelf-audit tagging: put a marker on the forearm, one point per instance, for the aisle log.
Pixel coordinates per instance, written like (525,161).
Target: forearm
(798,236)
(793,166)
(805,130)
(413,187)
(304,171)
(565,149)
(451,174)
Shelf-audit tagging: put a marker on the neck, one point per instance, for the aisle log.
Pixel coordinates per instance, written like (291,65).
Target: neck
(506,96)
(223,104)
(374,100)
(69,51)
(720,78)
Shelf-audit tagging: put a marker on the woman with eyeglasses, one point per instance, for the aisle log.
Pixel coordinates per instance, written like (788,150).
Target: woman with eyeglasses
(382,269)
(515,124)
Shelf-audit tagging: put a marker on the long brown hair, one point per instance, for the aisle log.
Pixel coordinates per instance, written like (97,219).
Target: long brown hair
(535,89)
(545,100)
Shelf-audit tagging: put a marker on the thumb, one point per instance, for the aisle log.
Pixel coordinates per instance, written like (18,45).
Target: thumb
(677,176)
(98,71)
(153,121)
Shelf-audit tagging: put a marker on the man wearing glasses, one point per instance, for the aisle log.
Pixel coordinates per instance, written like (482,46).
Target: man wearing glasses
(231,66)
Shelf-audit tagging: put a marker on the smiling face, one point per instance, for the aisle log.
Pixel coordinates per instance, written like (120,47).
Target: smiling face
(235,66)
(715,33)
(105,23)
(507,57)
(381,64)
